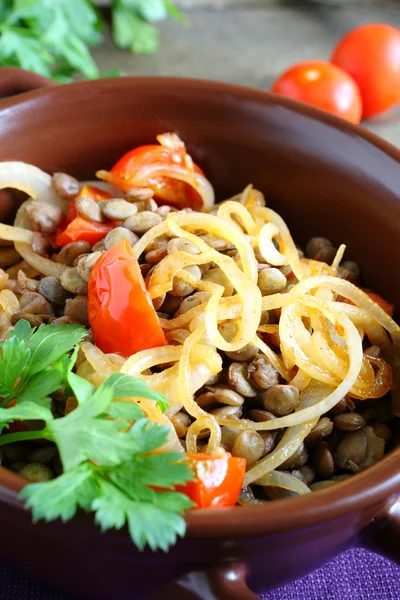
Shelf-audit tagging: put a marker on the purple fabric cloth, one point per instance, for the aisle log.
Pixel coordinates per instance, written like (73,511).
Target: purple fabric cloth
(355,575)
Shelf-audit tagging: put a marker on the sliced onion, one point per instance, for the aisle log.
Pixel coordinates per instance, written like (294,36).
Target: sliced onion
(15,234)
(268,232)
(197,181)
(284,481)
(31,180)
(200,425)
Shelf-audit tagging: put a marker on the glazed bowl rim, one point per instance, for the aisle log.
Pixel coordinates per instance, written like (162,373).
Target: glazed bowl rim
(355,494)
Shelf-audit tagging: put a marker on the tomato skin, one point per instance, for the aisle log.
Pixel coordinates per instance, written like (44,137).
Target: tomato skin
(76,228)
(81,229)
(167,190)
(371,55)
(218,480)
(121,313)
(87,191)
(324,86)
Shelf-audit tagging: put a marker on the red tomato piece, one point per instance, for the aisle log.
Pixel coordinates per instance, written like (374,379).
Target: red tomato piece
(371,55)
(121,313)
(167,190)
(218,480)
(324,86)
(81,229)
(76,228)
(87,191)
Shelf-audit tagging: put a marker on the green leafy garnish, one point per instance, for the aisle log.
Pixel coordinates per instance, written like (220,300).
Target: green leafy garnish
(54,37)
(33,363)
(109,451)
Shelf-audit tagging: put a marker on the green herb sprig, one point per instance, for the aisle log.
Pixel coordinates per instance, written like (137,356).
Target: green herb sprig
(54,37)
(106,447)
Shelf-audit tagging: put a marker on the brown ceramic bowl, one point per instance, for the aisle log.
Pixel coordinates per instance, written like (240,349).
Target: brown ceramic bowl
(325,177)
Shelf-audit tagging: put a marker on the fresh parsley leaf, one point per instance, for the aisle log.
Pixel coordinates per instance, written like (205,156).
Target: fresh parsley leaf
(49,343)
(125,410)
(22,330)
(44,382)
(152,11)
(125,385)
(61,497)
(131,32)
(54,37)
(147,523)
(34,363)
(147,437)
(96,438)
(111,467)
(25,411)
(14,361)
(82,389)
(164,469)
(19,47)
(84,433)
(83,20)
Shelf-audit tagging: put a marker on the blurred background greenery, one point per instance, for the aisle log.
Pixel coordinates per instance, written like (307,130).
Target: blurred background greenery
(56,38)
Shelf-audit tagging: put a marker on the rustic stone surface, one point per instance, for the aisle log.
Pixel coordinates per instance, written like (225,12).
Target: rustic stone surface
(250,46)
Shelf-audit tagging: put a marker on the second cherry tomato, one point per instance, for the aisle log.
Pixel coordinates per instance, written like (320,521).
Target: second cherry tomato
(371,55)
(324,86)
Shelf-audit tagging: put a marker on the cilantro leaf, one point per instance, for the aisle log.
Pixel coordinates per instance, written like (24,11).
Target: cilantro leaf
(14,361)
(61,497)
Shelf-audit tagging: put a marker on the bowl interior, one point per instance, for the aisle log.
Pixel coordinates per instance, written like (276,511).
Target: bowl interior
(325,177)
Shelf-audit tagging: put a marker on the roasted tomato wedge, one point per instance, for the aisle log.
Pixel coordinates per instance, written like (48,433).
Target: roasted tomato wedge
(218,480)
(145,166)
(121,313)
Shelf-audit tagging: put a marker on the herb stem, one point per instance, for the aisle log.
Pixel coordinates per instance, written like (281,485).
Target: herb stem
(22,436)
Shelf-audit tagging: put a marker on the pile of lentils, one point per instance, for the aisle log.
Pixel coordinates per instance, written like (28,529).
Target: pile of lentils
(351,437)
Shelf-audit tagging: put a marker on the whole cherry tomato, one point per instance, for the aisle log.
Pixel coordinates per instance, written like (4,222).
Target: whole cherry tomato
(371,55)
(324,86)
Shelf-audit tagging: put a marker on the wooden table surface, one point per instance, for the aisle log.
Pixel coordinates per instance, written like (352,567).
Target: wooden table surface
(252,44)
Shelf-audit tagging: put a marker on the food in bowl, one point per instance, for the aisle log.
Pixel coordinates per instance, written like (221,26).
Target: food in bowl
(199,357)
